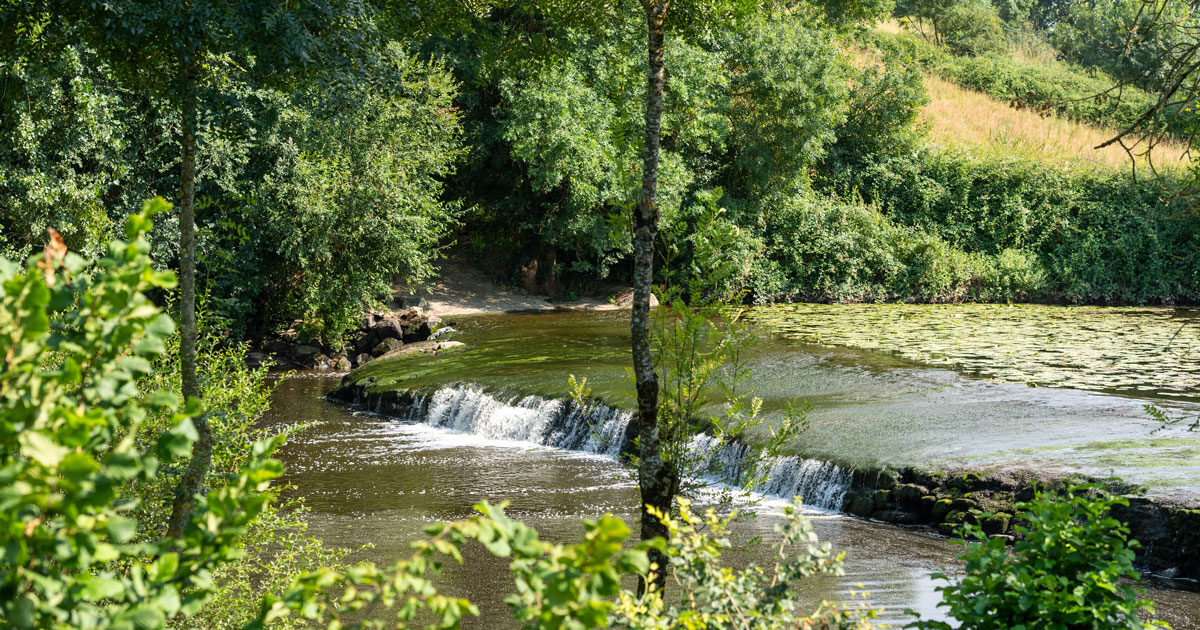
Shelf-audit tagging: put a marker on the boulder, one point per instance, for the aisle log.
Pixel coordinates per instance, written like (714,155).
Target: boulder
(321,362)
(899,517)
(341,363)
(362,359)
(908,496)
(881,498)
(277,346)
(423,347)
(442,332)
(995,523)
(386,346)
(941,508)
(860,503)
(305,355)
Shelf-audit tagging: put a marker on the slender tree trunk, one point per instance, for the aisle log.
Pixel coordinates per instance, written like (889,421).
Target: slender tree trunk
(193,478)
(656,480)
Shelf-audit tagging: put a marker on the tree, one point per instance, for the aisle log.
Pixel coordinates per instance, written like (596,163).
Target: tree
(181,49)
(1159,47)
(658,481)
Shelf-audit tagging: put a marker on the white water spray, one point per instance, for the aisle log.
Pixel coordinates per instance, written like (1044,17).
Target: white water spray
(603,430)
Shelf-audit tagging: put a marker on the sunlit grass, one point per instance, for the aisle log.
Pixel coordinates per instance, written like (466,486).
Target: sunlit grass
(958,117)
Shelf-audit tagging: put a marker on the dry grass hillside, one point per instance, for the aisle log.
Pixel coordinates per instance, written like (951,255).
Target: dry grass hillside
(958,117)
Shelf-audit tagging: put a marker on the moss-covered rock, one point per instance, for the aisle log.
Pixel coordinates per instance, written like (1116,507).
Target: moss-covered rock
(995,523)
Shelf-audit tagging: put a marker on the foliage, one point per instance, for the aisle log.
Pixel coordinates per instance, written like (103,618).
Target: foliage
(290,177)
(275,548)
(1071,567)
(359,206)
(886,97)
(579,586)
(1093,237)
(1096,36)
(555,145)
(714,597)
(972,29)
(75,348)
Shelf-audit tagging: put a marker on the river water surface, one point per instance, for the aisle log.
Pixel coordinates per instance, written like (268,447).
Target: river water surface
(374,480)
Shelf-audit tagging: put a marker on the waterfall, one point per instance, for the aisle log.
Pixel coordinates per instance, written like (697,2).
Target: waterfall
(603,430)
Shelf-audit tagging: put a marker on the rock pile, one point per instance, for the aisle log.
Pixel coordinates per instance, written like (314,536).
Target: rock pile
(377,335)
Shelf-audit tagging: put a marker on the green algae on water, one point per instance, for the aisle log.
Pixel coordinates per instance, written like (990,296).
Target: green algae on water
(1139,351)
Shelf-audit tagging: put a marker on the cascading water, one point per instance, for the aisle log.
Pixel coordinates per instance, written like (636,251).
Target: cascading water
(603,430)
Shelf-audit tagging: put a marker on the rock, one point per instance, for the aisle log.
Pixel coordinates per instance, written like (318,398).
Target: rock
(899,517)
(341,363)
(941,508)
(321,362)
(305,355)
(277,346)
(995,523)
(1167,574)
(948,529)
(442,332)
(423,347)
(887,479)
(860,503)
(254,360)
(362,360)
(1008,539)
(926,506)
(386,346)
(625,299)
(881,498)
(964,504)
(908,496)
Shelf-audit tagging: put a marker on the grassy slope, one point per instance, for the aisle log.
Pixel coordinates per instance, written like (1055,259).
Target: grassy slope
(959,117)
(963,118)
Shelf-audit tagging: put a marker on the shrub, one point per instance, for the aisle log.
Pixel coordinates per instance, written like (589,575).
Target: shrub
(1089,237)
(1071,567)
(972,29)
(75,344)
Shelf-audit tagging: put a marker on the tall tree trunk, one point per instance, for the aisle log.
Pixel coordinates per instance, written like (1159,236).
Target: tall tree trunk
(656,480)
(193,478)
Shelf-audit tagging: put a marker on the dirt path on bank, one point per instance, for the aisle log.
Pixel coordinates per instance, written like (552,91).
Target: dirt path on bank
(461,290)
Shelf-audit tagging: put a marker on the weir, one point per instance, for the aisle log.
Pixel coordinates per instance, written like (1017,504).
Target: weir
(601,430)
(907,495)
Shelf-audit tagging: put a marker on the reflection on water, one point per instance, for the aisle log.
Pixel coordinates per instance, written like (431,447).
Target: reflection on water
(379,481)
(1135,350)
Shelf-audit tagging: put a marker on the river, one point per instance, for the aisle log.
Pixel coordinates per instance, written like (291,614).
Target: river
(374,480)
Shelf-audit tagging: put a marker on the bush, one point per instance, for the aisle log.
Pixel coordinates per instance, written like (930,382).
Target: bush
(972,29)
(75,345)
(1071,567)
(1088,237)
(823,249)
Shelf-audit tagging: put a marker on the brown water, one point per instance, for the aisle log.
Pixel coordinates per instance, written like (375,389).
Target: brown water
(371,480)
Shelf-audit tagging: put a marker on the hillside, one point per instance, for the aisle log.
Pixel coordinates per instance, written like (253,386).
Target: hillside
(963,118)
